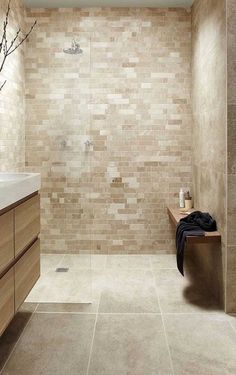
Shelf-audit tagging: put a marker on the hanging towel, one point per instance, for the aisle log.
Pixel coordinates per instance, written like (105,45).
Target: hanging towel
(194,224)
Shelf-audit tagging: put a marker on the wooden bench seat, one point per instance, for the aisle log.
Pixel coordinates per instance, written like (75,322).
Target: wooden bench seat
(175,216)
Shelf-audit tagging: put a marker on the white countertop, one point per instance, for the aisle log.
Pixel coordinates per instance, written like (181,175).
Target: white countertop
(16,186)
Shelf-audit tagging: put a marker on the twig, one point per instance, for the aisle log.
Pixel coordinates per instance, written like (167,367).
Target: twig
(22,41)
(5,27)
(1,87)
(7,51)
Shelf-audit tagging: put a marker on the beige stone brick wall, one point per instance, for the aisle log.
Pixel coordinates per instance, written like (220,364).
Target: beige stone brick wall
(12,99)
(129,94)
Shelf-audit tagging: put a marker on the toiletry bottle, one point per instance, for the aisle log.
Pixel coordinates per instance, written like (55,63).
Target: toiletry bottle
(181,198)
(188,201)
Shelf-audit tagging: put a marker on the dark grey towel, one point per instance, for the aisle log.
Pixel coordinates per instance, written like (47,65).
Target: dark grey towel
(194,224)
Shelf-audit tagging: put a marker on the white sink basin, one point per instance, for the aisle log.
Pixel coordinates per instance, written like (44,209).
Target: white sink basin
(11,177)
(16,186)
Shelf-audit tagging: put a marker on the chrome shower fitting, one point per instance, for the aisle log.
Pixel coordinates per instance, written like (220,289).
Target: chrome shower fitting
(88,143)
(74,50)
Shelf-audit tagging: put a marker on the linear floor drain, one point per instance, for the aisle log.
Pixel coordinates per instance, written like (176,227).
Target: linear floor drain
(62,269)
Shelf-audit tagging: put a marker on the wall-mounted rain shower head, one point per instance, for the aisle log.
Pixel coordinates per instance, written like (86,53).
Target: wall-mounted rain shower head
(74,50)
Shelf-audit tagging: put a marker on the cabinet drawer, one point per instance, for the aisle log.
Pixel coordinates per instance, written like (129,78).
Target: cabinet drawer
(6,239)
(27,272)
(27,223)
(6,299)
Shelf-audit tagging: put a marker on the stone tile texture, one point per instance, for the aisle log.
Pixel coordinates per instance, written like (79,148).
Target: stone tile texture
(129,94)
(209,106)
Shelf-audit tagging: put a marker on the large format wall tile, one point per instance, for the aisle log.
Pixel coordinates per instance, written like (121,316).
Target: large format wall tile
(209,103)
(232,138)
(231,280)
(231,51)
(129,93)
(231,209)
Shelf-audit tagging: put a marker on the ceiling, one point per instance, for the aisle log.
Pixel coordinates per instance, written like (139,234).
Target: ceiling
(107,3)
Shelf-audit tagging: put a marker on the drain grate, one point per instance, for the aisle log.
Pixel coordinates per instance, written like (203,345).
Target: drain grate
(62,269)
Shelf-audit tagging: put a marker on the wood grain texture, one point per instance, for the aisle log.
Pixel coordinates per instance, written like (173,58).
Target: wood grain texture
(27,223)
(175,216)
(6,239)
(27,272)
(6,300)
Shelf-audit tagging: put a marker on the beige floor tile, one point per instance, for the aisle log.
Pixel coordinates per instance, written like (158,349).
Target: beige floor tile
(129,290)
(67,307)
(53,344)
(163,261)
(128,261)
(74,262)
(201,344)
(232,320)
(13,332)
(50,262)
(177,294)
(129,345)
(69,287)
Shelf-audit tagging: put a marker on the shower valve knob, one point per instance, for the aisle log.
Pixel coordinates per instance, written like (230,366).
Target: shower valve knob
(88,143)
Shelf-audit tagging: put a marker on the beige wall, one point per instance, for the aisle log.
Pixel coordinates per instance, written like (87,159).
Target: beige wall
(12,110)
(129,93)
(231,263)
(210,125)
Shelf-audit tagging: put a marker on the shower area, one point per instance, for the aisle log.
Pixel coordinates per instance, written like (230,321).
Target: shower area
(108,120)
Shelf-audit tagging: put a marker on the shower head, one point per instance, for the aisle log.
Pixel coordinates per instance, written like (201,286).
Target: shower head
(74,50)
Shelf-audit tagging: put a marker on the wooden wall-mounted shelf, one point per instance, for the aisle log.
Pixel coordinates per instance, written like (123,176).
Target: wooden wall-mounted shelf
(175,216)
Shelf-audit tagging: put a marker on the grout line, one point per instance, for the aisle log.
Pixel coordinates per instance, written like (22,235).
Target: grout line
(14,347)
(205,313)
(128,313)
(94,330)
(163,323)
(95,313)
(66,312)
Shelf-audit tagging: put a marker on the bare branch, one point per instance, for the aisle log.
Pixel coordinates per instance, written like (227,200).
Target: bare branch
(3,62)
(3,40)
(4,49)
(22,41)
(1,87)
(13,41)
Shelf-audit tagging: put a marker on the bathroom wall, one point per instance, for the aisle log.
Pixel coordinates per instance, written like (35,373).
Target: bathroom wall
(12,98)
(129,94)
(210,128)
(231,135)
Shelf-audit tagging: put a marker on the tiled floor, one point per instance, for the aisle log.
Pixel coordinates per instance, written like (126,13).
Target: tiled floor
(145,319)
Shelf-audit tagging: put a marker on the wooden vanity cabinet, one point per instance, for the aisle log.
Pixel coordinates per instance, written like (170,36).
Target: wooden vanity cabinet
(7,309)
(27,223)
(27,271)
(19,255)
(6,239)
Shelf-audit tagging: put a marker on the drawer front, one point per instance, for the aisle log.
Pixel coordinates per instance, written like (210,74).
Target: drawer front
(27,223)
(6,239)
(6,300)
(27,272)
